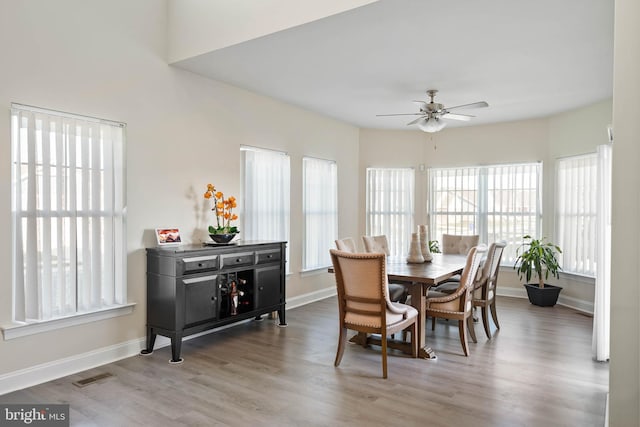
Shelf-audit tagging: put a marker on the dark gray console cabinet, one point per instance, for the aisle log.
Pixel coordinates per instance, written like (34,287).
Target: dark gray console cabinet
(192,288)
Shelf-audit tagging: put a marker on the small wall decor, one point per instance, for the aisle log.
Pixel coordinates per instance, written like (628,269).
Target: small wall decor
(168,236)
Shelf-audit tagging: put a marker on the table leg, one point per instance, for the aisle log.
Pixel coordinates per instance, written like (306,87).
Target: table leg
(419,302)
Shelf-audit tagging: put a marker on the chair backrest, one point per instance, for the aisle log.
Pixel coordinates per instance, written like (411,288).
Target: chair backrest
(347,245)
(376,244)
(464,293)
(486,284)
(361,281)
(456,244)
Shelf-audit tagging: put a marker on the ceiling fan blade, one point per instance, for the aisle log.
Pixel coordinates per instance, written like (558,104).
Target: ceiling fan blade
(413,122)
(401,114)
(422,104)
(463,117)
(480,104)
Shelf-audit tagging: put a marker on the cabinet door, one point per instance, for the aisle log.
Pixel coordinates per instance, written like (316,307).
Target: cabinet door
(268,289)
(200,299)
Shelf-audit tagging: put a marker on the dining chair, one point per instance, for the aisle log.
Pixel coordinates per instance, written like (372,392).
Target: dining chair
(457,306)
(364,304)
(484,292)
(347,244)
(379,244)
(459,244)
(456,245)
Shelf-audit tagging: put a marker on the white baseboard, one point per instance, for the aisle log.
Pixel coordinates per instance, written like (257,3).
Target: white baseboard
(305,299)
(38,374)
(571,302)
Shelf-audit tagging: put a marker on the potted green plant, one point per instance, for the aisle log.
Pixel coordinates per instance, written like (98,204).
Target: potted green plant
(539,256)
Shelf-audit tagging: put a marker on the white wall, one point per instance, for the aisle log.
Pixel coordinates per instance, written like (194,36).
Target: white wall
(624,378)
(107,59)
(574,132)
(201,26)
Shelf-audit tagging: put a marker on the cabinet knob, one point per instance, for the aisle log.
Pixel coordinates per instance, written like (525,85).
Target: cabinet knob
(239,260)
(269,256)
(214,298)
(260,288)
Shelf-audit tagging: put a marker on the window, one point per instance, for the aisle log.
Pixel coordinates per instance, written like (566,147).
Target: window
(576,210)
(499,202)
(266,195)
(320,206)
(68,205)
(389,208)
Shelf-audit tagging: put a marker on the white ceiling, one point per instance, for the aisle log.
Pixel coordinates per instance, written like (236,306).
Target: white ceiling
(525,58)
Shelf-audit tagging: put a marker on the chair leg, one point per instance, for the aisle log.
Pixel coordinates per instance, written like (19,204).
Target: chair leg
(384,355)
(362,337)
(494,314)
(472,329)
(341,343)
(463,337)
(433,323)
(414,339)
(485,321)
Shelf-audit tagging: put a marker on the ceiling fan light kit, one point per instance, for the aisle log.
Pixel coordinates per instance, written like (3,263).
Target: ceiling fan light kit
(432,112)
(431,124)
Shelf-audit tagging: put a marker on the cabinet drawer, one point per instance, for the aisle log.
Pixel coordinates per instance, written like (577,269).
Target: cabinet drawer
(196,264)
(270,255)
(236,259)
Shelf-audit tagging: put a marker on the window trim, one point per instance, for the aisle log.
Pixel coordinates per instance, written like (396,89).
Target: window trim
(306,268)
(405,238)
(23,329)
(119,258)
(482,188)
(593,157)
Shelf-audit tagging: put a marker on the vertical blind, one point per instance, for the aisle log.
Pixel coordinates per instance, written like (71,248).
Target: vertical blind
(576,210)
(390,206)
(68,207)
(266,195)
(602,297)
(320,206)
(497,202)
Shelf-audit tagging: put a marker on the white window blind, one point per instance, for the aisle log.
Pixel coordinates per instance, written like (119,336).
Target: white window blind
(576,210)
(320,209)
(390,206)
(497,202)
(266,195)
(68,207)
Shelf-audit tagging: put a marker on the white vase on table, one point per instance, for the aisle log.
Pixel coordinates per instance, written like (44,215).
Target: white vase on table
(415,254)
(424,243)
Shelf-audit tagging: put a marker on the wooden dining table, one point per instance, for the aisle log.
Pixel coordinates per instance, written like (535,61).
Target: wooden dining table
(419,278)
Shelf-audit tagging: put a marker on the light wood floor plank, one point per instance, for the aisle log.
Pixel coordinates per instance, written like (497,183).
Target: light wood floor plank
(536,371)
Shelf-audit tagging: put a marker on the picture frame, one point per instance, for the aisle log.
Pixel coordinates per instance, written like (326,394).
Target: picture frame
(168,236)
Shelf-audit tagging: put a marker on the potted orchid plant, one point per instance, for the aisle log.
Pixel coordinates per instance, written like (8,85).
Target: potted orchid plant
(223,232)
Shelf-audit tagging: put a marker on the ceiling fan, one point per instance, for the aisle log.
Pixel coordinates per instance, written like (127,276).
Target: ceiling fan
(431,113)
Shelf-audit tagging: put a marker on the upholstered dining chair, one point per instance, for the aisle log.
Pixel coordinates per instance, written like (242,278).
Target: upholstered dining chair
(484,293)
(364,304)
(347,244)
(379,244)
(456,245)
(457,306)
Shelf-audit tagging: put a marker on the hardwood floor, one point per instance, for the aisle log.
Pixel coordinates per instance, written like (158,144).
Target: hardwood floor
(536,371)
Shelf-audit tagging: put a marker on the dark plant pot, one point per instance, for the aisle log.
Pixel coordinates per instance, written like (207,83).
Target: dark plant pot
(543,297)
(222,238)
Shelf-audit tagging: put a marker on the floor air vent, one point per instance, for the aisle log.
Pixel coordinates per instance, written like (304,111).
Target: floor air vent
(85,382)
